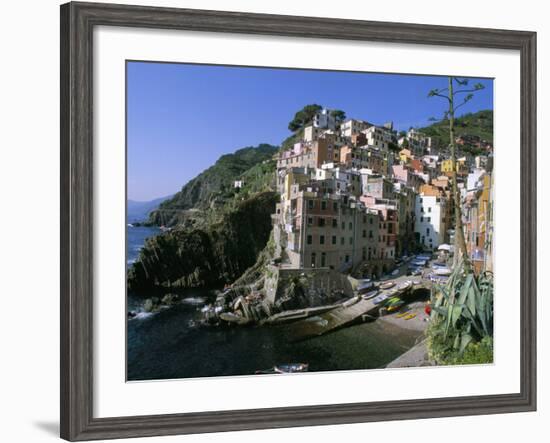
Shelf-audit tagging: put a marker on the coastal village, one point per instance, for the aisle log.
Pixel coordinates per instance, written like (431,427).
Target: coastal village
(356,197)
(364,225)
(364,230)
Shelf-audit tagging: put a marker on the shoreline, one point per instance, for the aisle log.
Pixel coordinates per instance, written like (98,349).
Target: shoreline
(417,355)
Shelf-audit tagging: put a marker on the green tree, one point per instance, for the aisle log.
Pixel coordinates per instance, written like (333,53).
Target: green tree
(304,117)
(453,96)
(338,115)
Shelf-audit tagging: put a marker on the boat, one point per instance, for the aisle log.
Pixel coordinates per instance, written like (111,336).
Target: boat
(392,300)
(387,285)
(371,294)
(396,306)
(405,285)
(408,317)
(416,263)
(379,299)
(289,368)
(442,271)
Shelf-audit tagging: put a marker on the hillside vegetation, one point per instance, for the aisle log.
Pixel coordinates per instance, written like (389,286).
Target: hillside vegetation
(479,124)
(215,184)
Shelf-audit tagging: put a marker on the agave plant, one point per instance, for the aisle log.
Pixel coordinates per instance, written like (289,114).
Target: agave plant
(463,308)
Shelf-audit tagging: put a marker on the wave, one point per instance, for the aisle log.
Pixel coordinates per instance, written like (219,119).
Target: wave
(194,300)
(142,315)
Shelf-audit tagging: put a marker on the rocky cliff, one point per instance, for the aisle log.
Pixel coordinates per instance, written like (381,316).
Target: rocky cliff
(206,257)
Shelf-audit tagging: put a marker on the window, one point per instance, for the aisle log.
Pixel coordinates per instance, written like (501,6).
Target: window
(364,233)
(370,234)
(350,226)
(364,218)
(309,239)
(310,204)
(335,206)
(421,219)
(427,231)
(343,225)
(321,222)
(322,239)
(370,220)
(430,209)
(428,219)
(333,239)
(347,258)
(323,259)
(390,228)
(323,205)
(313,257)
(342,240)
(351,240)
(310,221)
(334,223)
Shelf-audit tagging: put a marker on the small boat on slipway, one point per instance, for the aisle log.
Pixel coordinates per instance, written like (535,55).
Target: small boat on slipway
(405,285)
(370,294)
(387,285)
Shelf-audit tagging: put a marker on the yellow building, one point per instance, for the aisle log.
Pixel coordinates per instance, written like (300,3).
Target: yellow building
(461,166)
(405,155)
(447,166)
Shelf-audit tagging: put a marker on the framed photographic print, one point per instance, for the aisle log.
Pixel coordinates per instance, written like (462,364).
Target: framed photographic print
(272,221)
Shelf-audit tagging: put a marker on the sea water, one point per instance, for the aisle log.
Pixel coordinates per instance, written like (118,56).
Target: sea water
(172,343)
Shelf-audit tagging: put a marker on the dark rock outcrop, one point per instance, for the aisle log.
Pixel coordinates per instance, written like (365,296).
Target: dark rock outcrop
(208,257)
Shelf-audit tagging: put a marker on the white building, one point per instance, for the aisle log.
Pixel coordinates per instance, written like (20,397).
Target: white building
(418,142)
(351,127)
(473,178)
(324,120)
(378,137)
(430,220)
(430,161)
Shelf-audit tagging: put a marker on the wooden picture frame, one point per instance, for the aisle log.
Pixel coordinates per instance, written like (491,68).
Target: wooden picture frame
(77,23)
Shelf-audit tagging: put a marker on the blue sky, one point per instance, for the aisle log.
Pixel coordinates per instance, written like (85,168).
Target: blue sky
(181,118)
